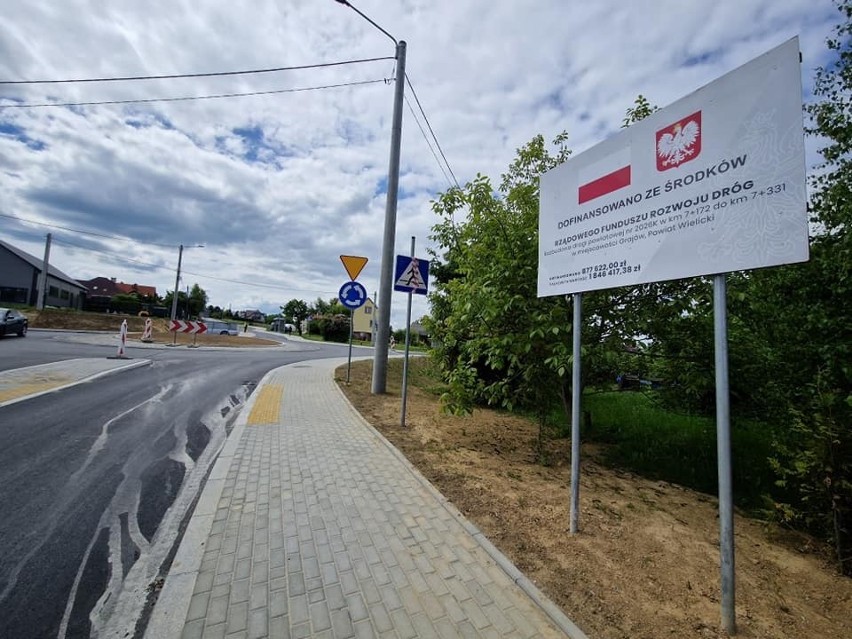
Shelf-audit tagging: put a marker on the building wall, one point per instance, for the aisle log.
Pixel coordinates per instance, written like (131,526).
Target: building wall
(362,318)
(19,284)
(17,279)
(62,294)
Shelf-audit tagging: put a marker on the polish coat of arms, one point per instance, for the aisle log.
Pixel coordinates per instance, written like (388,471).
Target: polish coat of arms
(679,142)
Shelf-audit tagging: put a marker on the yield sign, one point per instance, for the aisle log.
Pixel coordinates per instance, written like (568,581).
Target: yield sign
(353,265)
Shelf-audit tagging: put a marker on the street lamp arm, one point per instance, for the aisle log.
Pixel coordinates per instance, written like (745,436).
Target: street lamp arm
(346,3)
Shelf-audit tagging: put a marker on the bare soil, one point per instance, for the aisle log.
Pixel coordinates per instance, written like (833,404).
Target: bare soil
(645,564)
(58,319)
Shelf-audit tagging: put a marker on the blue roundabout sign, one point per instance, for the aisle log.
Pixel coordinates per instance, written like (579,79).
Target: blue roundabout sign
(352,295)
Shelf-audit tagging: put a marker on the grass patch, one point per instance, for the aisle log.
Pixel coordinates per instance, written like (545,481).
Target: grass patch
(679,448)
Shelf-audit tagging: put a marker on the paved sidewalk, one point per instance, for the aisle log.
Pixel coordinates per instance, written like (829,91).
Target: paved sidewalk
(312,525)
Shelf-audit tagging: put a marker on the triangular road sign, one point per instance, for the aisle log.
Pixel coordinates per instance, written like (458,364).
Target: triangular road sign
(411,277)
(353,265)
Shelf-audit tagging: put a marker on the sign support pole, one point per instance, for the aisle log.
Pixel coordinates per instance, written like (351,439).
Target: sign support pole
(723,448)
(575,414)
(407,346)
(349,363)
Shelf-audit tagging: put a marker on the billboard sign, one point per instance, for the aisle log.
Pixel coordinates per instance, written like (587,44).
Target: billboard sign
(712,183)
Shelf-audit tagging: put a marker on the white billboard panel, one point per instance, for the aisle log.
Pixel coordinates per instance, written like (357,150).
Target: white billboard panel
(712,183)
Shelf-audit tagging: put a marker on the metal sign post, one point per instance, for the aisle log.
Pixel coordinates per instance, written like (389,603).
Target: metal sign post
(352,295)
(349,361)
(723,448)
(575,414)
(407,347)
(410,276)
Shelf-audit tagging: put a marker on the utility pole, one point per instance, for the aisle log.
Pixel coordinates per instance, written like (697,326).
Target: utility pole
(380,358)
(177,284)
(42,280)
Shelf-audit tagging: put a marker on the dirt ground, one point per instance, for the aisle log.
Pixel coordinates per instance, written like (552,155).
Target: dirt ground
(135,325)
(645,564)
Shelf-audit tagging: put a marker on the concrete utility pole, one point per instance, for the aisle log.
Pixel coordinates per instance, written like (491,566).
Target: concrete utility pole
(380,359)
(42,280)
(177,284)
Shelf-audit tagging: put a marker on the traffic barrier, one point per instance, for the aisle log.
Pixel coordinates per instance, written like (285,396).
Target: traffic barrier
(149,329)
(122,339)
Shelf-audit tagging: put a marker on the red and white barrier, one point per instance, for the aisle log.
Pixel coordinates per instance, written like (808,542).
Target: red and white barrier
(122,338)
(149,329)
(193,328)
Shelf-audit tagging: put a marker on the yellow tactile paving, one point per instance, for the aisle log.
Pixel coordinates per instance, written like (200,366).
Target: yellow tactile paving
(267,406)
(31,384)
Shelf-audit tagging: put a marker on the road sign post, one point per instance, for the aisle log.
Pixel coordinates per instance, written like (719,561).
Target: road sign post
(410,276)
(352,295)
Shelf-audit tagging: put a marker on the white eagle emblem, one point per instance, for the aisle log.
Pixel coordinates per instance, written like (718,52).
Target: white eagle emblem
(675,147)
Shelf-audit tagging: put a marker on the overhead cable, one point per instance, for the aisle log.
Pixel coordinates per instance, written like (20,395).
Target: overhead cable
(190,97)
(428,143)
(434,137)
(164,267)
(174,76)
(81,232)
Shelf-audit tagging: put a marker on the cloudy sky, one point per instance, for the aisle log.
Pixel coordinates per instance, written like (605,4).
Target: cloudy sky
(278,186)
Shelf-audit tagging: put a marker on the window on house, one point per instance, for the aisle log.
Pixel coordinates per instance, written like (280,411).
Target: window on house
(53,292)
(368,310)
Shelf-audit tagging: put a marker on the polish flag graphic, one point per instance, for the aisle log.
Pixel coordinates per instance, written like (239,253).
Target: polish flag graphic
(605,176)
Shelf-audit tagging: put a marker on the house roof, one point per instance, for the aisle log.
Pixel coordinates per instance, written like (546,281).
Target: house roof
(417,327)
(142,289)
(101,286)
(38,264)
(107,287)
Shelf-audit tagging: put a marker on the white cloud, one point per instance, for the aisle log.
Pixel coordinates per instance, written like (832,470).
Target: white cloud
(278,186)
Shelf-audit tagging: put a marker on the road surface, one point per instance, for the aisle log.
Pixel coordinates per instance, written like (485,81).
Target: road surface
(96,479)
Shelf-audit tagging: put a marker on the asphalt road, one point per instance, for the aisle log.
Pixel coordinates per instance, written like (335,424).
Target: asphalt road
(96,479)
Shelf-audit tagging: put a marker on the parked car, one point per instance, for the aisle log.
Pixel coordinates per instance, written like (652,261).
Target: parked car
(220,327)
(12,321)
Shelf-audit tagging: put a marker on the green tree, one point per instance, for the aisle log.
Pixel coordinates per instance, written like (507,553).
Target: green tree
(197,300)
(332,306)
(497,342)
(125,303)
(191,306)
(790,335)
(296,311)
(812,300)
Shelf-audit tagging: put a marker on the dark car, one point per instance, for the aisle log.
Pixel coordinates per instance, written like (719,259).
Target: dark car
(12,321)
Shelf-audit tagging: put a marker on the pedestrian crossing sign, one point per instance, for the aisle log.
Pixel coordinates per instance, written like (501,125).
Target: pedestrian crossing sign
(411,275)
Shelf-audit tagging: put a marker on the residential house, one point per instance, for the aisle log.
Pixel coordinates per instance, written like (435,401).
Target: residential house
(103,289)
(363,320)
(251,315)
(19,281)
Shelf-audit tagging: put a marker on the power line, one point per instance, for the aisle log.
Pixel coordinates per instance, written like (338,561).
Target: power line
(164,267)
(81,232)
(428,143)
(197,75)
(191,97)
(112,254)
(434,137)
(272,286)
